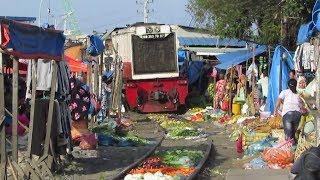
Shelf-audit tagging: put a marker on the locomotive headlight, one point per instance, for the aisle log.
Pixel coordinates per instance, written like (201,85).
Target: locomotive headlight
(149,30)
(157,29)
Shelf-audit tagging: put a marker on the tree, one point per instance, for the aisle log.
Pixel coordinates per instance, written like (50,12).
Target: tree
(277,21)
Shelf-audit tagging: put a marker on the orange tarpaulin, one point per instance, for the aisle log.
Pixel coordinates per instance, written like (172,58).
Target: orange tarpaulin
(75,66)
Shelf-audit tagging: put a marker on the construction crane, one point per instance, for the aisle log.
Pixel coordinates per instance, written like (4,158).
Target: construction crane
(71,26)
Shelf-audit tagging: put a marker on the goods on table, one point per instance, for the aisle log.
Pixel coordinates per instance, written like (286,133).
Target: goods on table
(275,122)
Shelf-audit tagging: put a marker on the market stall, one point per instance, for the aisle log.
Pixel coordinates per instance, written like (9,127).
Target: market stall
(30,42)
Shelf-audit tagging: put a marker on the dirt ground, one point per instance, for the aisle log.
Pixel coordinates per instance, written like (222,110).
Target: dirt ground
(107,162)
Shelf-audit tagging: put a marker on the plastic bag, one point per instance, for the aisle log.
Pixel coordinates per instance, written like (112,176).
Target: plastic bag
(259,146)
(257,163)
(279,156)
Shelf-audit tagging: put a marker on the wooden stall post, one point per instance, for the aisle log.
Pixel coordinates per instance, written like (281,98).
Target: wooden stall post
(3,171)
(15,111)
(89,76)
(96,78)
(317,44)
(230,91)
(33,102)
(50,112)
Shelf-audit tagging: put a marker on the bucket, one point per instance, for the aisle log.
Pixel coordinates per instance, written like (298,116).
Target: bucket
(236,108)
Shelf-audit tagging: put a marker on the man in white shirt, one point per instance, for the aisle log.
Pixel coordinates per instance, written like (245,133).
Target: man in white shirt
(291,109)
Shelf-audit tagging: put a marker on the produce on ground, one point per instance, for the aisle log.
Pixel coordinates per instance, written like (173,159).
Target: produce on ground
(167,165)
(275,122)
(150,176)
(107,137)
(177,128)
(181,158)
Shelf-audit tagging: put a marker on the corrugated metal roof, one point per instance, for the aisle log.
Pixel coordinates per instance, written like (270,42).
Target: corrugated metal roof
(21,19)
(212,51)
(210,41)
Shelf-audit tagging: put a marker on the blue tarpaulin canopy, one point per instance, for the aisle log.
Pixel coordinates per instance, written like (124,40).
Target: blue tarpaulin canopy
(210,41)
(305,33)
(96,45)
(278,77)
(31,42)
(228,60)
(307,30)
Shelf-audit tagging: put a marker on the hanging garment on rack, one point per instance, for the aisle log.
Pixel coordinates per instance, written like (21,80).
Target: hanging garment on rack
(304,57)
(308,55)
(63,80)
(44,76)
(80,100)
(297,59)
(39,125)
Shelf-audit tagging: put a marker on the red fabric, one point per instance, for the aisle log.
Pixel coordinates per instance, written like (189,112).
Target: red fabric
(75,66)
(239,144)
(5,35)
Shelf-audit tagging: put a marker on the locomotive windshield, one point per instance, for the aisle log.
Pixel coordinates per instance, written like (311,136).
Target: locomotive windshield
(156,55)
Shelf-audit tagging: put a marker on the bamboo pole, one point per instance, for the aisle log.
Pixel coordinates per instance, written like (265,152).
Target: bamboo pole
(3,160)
(15,111)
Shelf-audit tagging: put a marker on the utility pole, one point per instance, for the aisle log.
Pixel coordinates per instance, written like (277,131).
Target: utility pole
(146,10)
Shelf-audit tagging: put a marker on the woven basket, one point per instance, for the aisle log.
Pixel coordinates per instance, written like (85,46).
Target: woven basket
(303,145)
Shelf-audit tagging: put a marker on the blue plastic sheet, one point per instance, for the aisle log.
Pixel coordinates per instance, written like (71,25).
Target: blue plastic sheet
(305,33)
(32,42)
(259,146)
(228,60)
(277,81)
(316,15)
(96,46)
(194,71)
(182,55)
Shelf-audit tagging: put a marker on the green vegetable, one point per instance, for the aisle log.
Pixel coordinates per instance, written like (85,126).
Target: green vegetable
(180,158)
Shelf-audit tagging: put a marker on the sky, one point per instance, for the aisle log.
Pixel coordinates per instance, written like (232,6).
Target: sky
(100,15)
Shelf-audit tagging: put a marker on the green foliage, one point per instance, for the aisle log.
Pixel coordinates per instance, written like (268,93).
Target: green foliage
(234,18)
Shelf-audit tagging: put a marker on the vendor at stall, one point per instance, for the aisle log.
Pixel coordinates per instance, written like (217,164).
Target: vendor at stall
(293,74)
(291,109)
(220,91)
(264,83)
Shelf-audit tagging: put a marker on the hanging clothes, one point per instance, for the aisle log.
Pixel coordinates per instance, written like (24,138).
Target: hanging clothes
(304,57)
(44,76)
(63,75)
(80,100)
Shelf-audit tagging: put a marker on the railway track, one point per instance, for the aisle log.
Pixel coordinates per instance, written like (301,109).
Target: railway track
(167,144)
